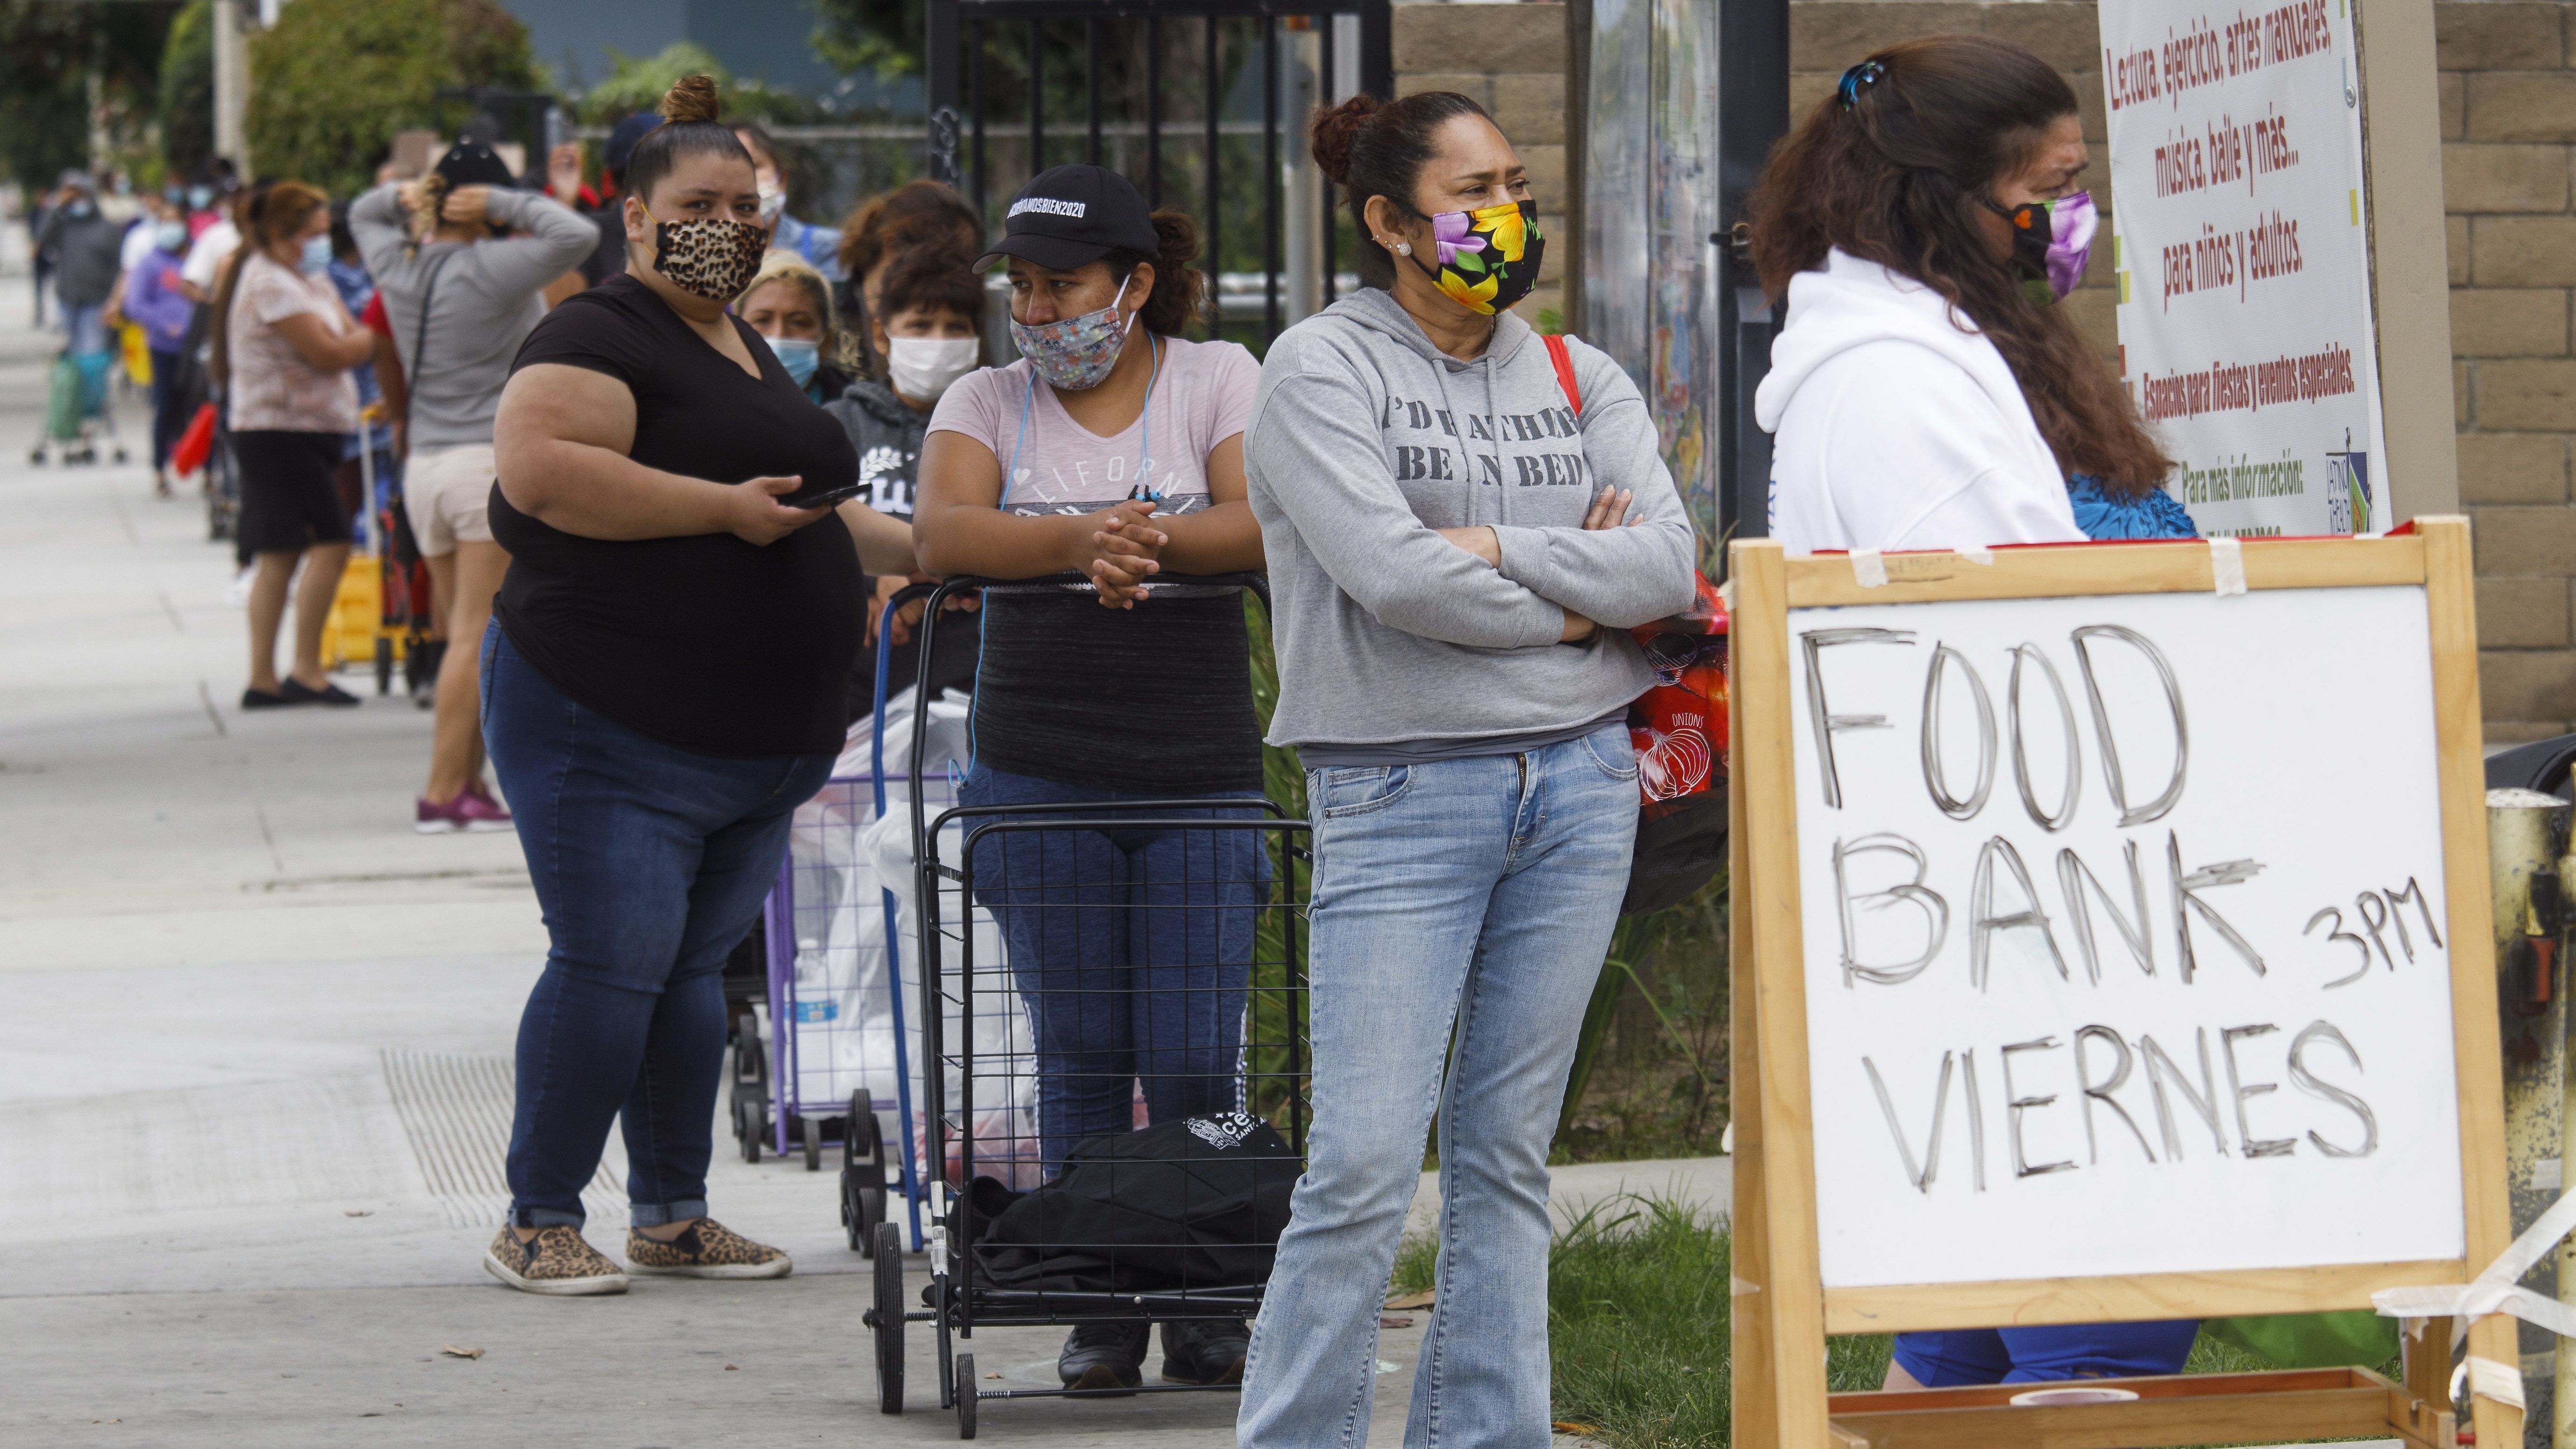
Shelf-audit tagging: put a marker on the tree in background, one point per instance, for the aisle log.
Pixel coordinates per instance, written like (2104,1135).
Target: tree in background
(187,91)
(888,37)
(636,83)
(333,80)
(48,52)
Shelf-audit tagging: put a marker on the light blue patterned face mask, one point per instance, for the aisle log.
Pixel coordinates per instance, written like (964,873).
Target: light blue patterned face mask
(317,255)
(1078,352)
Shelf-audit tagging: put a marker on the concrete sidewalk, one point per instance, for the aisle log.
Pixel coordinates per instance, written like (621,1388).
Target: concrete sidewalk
(254,1038)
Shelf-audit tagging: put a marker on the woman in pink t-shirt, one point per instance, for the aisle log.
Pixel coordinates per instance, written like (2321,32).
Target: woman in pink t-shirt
(1112,449)
(286,347)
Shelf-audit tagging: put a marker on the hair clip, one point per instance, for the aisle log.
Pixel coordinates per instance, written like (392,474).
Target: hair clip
(1868,72)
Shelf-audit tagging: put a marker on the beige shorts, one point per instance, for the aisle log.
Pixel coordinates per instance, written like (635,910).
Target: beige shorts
(448,492)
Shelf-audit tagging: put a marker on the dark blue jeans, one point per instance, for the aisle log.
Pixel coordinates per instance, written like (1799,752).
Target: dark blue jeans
(1953,1357)
(650,863)
(1131,950)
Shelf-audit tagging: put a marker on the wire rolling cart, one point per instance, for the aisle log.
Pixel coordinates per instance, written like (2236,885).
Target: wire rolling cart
(1237,891)
(835,1059)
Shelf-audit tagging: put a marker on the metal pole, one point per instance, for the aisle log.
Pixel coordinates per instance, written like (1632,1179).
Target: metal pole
(975,103)
(1037,97)
(1154,112)
(2526,831)
(1752,112)
(232,87)
(1091,53)
(1210,209)
(1326,77)
(1269,176)
(941,30)
(1377,49)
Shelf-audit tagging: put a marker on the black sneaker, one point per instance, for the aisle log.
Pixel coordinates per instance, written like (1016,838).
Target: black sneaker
(1205,1351)
(1108,1356)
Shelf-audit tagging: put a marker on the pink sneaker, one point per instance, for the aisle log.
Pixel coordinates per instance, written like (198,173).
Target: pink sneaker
(471,810)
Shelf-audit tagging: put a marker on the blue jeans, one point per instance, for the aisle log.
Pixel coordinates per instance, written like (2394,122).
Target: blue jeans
(1131,950)
(85,327)
(1479,891)
(2043,1355)
(650,863)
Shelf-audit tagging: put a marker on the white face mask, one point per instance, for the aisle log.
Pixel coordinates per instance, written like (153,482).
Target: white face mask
(923,368)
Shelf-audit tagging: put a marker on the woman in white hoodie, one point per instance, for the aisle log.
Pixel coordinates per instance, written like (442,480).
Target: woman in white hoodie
(1926,394)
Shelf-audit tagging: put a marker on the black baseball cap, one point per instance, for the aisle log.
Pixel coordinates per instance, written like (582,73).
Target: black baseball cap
(471,163)
(1072,216)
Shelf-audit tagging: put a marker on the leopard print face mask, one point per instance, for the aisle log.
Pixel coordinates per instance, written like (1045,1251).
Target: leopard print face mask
(714,257)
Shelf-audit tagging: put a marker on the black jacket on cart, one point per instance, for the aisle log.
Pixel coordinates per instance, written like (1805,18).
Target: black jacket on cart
(1196,1204)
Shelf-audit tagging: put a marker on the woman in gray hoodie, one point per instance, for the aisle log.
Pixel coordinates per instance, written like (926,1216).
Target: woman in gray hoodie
(1458,541)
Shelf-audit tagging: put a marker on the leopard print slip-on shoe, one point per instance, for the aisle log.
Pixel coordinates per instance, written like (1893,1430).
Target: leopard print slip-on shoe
(705,1249)
(556,1261)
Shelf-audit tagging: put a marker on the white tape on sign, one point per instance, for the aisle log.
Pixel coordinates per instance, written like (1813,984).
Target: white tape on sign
(1977,554)
(1868,569)
(1742,1287)
(2492,1292)
(2488,1380)
(2226,567)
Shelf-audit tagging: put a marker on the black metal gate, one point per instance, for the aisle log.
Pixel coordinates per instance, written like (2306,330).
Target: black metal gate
(1200,102)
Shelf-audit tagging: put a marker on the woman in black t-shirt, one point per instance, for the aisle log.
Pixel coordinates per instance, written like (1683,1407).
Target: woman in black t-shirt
(1115,449)
(661,689)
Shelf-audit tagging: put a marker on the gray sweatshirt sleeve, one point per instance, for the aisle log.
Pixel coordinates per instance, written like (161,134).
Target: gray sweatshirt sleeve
(1315,452)
(557,240)
(377,220)
(1617,577)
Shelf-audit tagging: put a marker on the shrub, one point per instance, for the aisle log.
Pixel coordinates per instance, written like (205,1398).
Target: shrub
(333,80)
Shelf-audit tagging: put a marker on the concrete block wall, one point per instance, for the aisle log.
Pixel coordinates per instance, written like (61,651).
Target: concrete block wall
(1487,52)
(2508,121)
(2508,92)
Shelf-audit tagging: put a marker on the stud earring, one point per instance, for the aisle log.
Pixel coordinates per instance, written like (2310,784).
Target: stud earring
(1404,249)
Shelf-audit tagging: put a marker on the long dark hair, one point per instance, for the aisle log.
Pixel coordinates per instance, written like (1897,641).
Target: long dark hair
(269,214)
(1896,174)
(1370,147)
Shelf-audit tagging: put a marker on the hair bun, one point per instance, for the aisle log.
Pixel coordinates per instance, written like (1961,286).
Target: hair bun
(691,98)
(1334,128)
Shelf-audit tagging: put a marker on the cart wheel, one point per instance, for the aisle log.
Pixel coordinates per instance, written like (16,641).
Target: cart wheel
(120,454)
(872,1208)
(813,1143)
(746,1129)
(889,1316)
(862,1141)
(965,1396)
(384,666)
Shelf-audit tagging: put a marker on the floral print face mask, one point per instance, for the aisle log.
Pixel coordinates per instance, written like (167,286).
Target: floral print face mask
(2051,240)
(1487,258)
(1078,352)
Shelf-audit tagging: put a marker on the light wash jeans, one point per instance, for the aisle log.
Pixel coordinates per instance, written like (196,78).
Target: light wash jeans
(1479,890)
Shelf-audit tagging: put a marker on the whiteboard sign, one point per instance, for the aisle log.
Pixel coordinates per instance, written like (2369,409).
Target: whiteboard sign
(2125,935)
(2243,261)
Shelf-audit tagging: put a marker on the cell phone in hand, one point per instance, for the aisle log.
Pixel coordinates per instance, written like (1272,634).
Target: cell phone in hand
(823,495)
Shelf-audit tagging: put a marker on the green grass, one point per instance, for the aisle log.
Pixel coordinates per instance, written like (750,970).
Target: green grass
(1638,1308)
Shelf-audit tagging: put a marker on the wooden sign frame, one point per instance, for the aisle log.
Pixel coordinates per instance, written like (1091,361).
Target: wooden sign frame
(1783,1311)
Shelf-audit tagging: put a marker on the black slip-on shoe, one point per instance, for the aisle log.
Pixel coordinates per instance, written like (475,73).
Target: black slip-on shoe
(296,692)
(1104,1356)
(1205,1351)
(262,699)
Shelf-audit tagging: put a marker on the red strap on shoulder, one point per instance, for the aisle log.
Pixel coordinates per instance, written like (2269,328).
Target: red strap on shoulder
(1564,359)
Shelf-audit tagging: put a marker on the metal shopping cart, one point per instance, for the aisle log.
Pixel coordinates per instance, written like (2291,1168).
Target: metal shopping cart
(1220,884)
(824,1055)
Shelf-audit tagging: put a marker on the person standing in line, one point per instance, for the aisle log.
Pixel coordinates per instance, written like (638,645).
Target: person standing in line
(790,305)
(87,250)
(214,244)
(816,246)
(608,258)
(1459,542)
(153,300)
(921,214)
(1921,223)
(929,301)
(1122,444)
(460,296)
(283,356)
(661,689)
